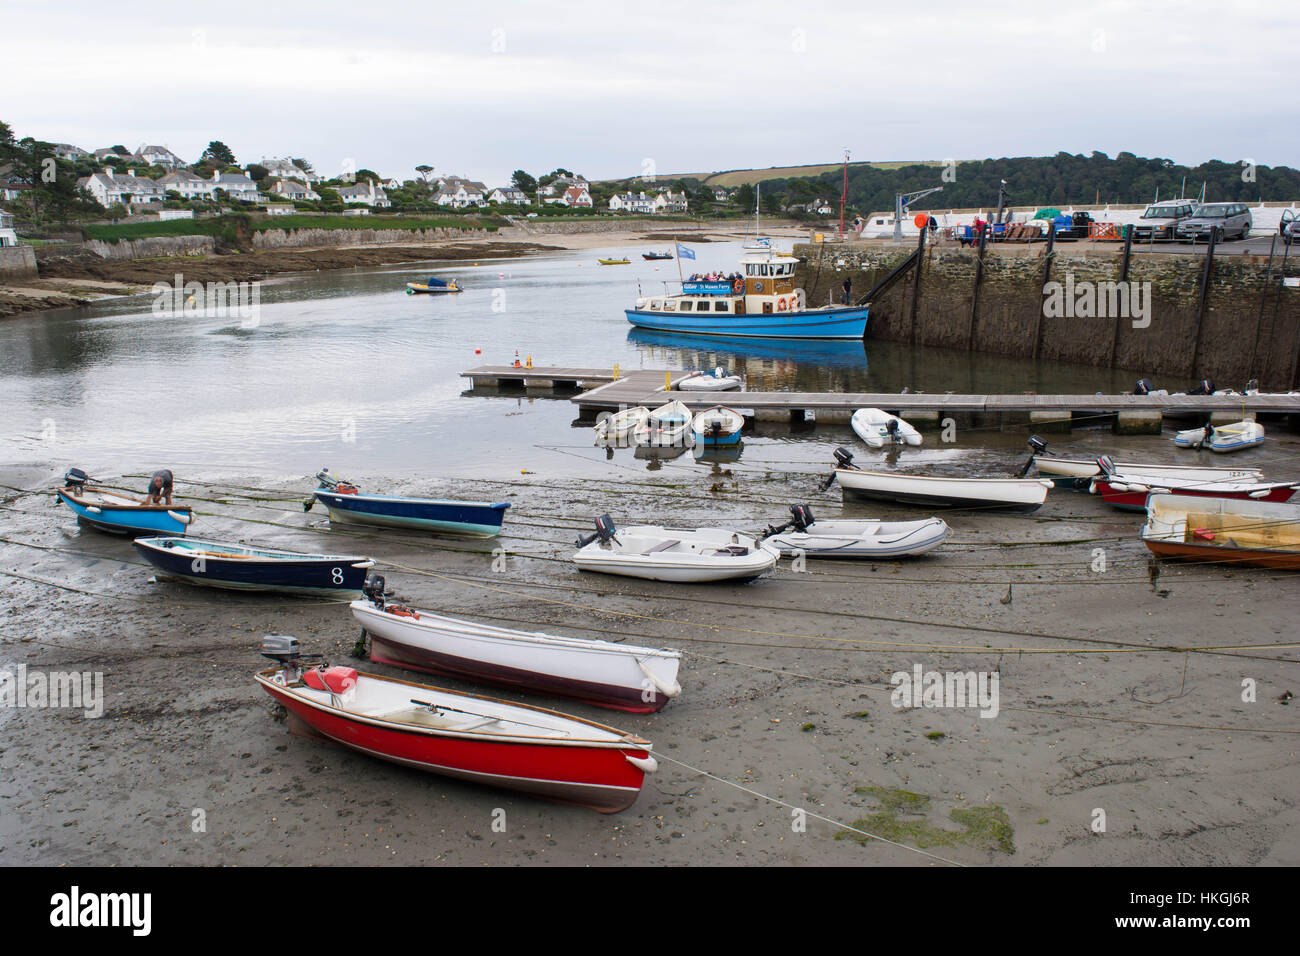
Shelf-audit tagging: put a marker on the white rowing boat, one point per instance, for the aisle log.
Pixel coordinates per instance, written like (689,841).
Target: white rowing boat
(620,676)
(620,426)
(672,554)
(1014,494)
(667,425)
(862,538)
(878,428)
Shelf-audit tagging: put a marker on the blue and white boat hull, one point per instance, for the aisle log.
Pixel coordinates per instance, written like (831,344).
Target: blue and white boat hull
(128,519)
(827,323)
(476,518)
(240,568)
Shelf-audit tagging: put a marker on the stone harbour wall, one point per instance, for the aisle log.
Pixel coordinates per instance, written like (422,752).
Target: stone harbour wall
(17,262)
(1250,328)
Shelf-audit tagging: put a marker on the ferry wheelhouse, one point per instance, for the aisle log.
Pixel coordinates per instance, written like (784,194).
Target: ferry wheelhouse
(760,302)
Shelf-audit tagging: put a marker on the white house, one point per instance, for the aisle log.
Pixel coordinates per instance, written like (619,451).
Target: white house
(110,153)
(288,169)
(158,156)
(109,187)
(189,185)
(69,152)
(364,193)
(632,202)
(576,196)
(236,186)
(459,193)
(508,194)
(7,235)
(291,189)
(670,202)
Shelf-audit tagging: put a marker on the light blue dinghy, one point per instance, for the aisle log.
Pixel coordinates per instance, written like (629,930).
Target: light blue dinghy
(347,505)
(116,513)
(718,425)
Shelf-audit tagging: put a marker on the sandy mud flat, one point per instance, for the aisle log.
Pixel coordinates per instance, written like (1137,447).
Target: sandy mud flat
(786,692)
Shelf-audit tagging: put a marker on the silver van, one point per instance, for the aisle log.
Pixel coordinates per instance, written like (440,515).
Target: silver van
(1232,219)
(1160,218)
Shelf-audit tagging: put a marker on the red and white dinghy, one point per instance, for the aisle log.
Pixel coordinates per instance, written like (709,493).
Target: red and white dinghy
(479,739)
(1129,490)
(627,677)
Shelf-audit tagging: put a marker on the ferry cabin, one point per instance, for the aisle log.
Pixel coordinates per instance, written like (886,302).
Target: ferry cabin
(767,287)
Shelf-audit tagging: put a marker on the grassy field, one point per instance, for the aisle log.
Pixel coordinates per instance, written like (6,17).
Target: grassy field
(739,177)
(227,226)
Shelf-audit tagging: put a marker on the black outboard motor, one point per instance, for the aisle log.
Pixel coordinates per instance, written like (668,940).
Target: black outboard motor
(75,479)
(604,532)
(374,590)
(1204,387)
(891,429)
(1037,446)
(1143,387)
(803,517)
(843,457)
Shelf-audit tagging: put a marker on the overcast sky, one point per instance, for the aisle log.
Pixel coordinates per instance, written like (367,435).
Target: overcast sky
(605,88)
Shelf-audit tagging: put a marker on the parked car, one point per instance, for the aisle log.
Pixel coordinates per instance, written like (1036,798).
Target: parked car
(1159,219)
(1232,219)
(1289,226)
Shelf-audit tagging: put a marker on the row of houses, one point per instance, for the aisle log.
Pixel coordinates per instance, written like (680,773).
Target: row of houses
(643,204)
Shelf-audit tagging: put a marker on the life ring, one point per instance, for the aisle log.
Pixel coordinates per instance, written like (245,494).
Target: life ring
(738,286)
(781,304)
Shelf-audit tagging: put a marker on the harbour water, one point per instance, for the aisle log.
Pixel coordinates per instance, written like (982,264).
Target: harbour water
(343,369)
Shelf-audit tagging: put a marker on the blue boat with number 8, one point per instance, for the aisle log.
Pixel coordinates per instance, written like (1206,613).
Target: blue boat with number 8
(238,567)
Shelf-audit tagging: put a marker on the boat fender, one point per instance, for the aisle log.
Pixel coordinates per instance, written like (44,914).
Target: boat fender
(93,510)
(1118,486)
(646,764)
(401,610)
(180,516)
(668,690)
(1262,493)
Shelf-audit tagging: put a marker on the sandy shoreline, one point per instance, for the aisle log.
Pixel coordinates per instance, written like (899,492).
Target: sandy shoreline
(785,692)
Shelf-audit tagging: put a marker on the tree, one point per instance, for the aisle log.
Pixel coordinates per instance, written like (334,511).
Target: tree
(305,166)
(257,172)
(218,153)
(744,197)
(367,174)
(425,171)
(523,182)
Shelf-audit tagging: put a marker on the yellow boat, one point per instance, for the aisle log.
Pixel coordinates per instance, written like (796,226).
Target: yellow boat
(432,285)
(615,262)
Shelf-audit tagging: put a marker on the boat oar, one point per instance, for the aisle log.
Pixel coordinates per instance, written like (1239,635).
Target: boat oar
(498,720)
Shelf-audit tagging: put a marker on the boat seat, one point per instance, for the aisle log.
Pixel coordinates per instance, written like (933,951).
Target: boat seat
(662,546)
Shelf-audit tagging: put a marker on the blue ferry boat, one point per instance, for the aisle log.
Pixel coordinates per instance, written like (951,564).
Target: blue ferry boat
(760,302)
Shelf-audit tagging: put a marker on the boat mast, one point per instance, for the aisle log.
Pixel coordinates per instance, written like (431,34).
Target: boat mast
(844,191)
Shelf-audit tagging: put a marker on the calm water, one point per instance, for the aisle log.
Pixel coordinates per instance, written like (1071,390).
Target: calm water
(346,370)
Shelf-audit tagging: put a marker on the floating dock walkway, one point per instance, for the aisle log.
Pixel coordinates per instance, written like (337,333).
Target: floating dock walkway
(602,390)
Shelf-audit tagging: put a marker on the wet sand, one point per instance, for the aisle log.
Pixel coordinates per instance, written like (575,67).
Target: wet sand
(785,690)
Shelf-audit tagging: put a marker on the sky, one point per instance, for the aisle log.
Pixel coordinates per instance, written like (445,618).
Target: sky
(610,89)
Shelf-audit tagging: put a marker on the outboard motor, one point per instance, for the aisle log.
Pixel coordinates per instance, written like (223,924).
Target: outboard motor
(1143,387)
(374,590)
(803,517)
(1204,387)
(286,651)
(1107,465)
(1037,446)
(604,532)
(75,479)
(891,429)
(843,457)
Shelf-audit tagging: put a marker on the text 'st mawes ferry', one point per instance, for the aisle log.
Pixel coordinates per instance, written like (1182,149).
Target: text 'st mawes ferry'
(762,304)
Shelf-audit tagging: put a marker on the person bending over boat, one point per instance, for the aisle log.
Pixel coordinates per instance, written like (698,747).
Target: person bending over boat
(160,487)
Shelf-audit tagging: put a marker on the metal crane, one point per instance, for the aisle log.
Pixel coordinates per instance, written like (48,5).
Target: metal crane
(903,200)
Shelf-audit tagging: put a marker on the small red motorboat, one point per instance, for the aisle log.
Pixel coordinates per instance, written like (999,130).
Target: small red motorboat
(538,751)
(1130,490)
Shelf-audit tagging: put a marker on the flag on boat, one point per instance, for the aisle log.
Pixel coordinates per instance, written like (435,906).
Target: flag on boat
(684,253)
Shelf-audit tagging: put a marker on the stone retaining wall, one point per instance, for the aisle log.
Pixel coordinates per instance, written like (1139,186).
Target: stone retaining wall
(17,262)
(1250,329)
